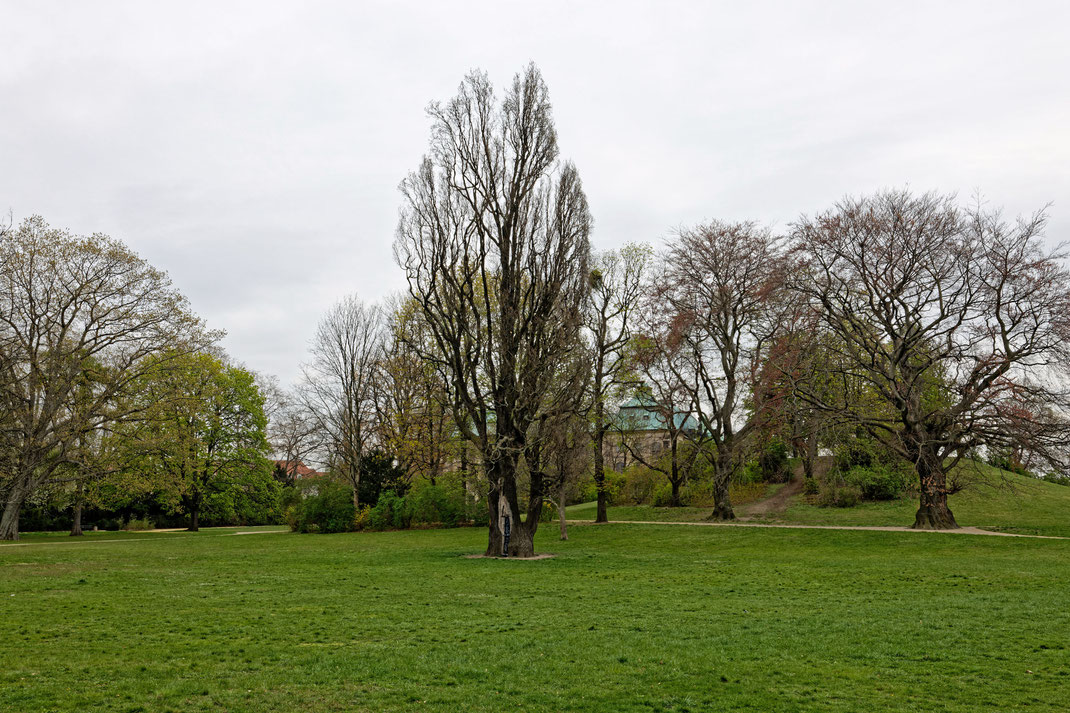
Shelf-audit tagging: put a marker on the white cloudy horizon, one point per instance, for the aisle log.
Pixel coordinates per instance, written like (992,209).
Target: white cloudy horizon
(253,150)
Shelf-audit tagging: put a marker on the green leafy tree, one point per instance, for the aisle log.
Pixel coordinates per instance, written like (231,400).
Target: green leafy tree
(81,320)
(202,447)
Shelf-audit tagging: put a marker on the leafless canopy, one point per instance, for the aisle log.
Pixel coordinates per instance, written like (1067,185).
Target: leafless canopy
(493,238)
(719,292)
(958,319)
(609,318)
(338,384)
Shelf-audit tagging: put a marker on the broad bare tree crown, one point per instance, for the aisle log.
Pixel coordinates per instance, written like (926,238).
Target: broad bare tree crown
(957,318)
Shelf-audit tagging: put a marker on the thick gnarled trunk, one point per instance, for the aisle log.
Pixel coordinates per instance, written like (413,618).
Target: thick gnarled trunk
(503,499)
(933,511)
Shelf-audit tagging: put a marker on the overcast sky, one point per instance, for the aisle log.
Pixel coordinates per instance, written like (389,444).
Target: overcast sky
(254,150)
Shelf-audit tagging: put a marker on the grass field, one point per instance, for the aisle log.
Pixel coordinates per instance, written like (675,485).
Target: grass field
(997,500)
(625,618)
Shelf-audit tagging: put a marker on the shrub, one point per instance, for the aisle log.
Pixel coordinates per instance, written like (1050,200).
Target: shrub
(548,512)
(879,482)
(389,513)
(328,509)
(810,486)
(141,524)
(614,482)
(360,520)
(773,462)
(662,496)
(863,452)
(840,496)
(434,504)
(1006,460)
(751,472)
(639,484)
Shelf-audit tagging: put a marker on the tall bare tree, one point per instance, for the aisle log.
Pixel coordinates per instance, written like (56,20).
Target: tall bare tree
(658,363)
(338,383)
(616,288)
(292,432)
(958,319)
(493,238)
(718,293)
(80,318)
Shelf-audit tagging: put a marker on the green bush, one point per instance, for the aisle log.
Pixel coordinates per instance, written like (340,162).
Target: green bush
(328,508)
(1057,478)
(773,462)
(878,482)
(142,524)
(861,452)
(639,484)
(434,504)
(810,486)
(662,496)
(614,482)
(839,496)
(1005,459)
(389,513)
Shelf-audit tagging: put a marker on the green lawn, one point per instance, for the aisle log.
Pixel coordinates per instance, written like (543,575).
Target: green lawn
(625,618)
(997,500)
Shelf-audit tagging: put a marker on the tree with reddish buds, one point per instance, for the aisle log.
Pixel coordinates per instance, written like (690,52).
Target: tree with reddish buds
(957,319)
(719,293)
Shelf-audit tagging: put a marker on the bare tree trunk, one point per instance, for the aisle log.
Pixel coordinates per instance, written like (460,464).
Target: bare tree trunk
(522,542)
(722,503)
(195,513)
(495,536)
(562,522)
(602,512)
(9,521)
(354,479)
(674,476)
(599,464)
(933,513)
(76,524)
(810,456)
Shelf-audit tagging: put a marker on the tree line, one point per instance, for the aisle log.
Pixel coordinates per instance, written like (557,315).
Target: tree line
(934,329)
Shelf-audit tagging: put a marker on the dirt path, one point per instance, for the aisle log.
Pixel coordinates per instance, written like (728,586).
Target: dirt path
(774,505)
(870,528)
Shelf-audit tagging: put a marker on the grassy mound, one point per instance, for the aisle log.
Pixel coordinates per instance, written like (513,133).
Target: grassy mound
(996,500)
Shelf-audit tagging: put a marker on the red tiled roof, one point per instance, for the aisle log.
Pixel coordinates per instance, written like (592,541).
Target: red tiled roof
(298,468)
